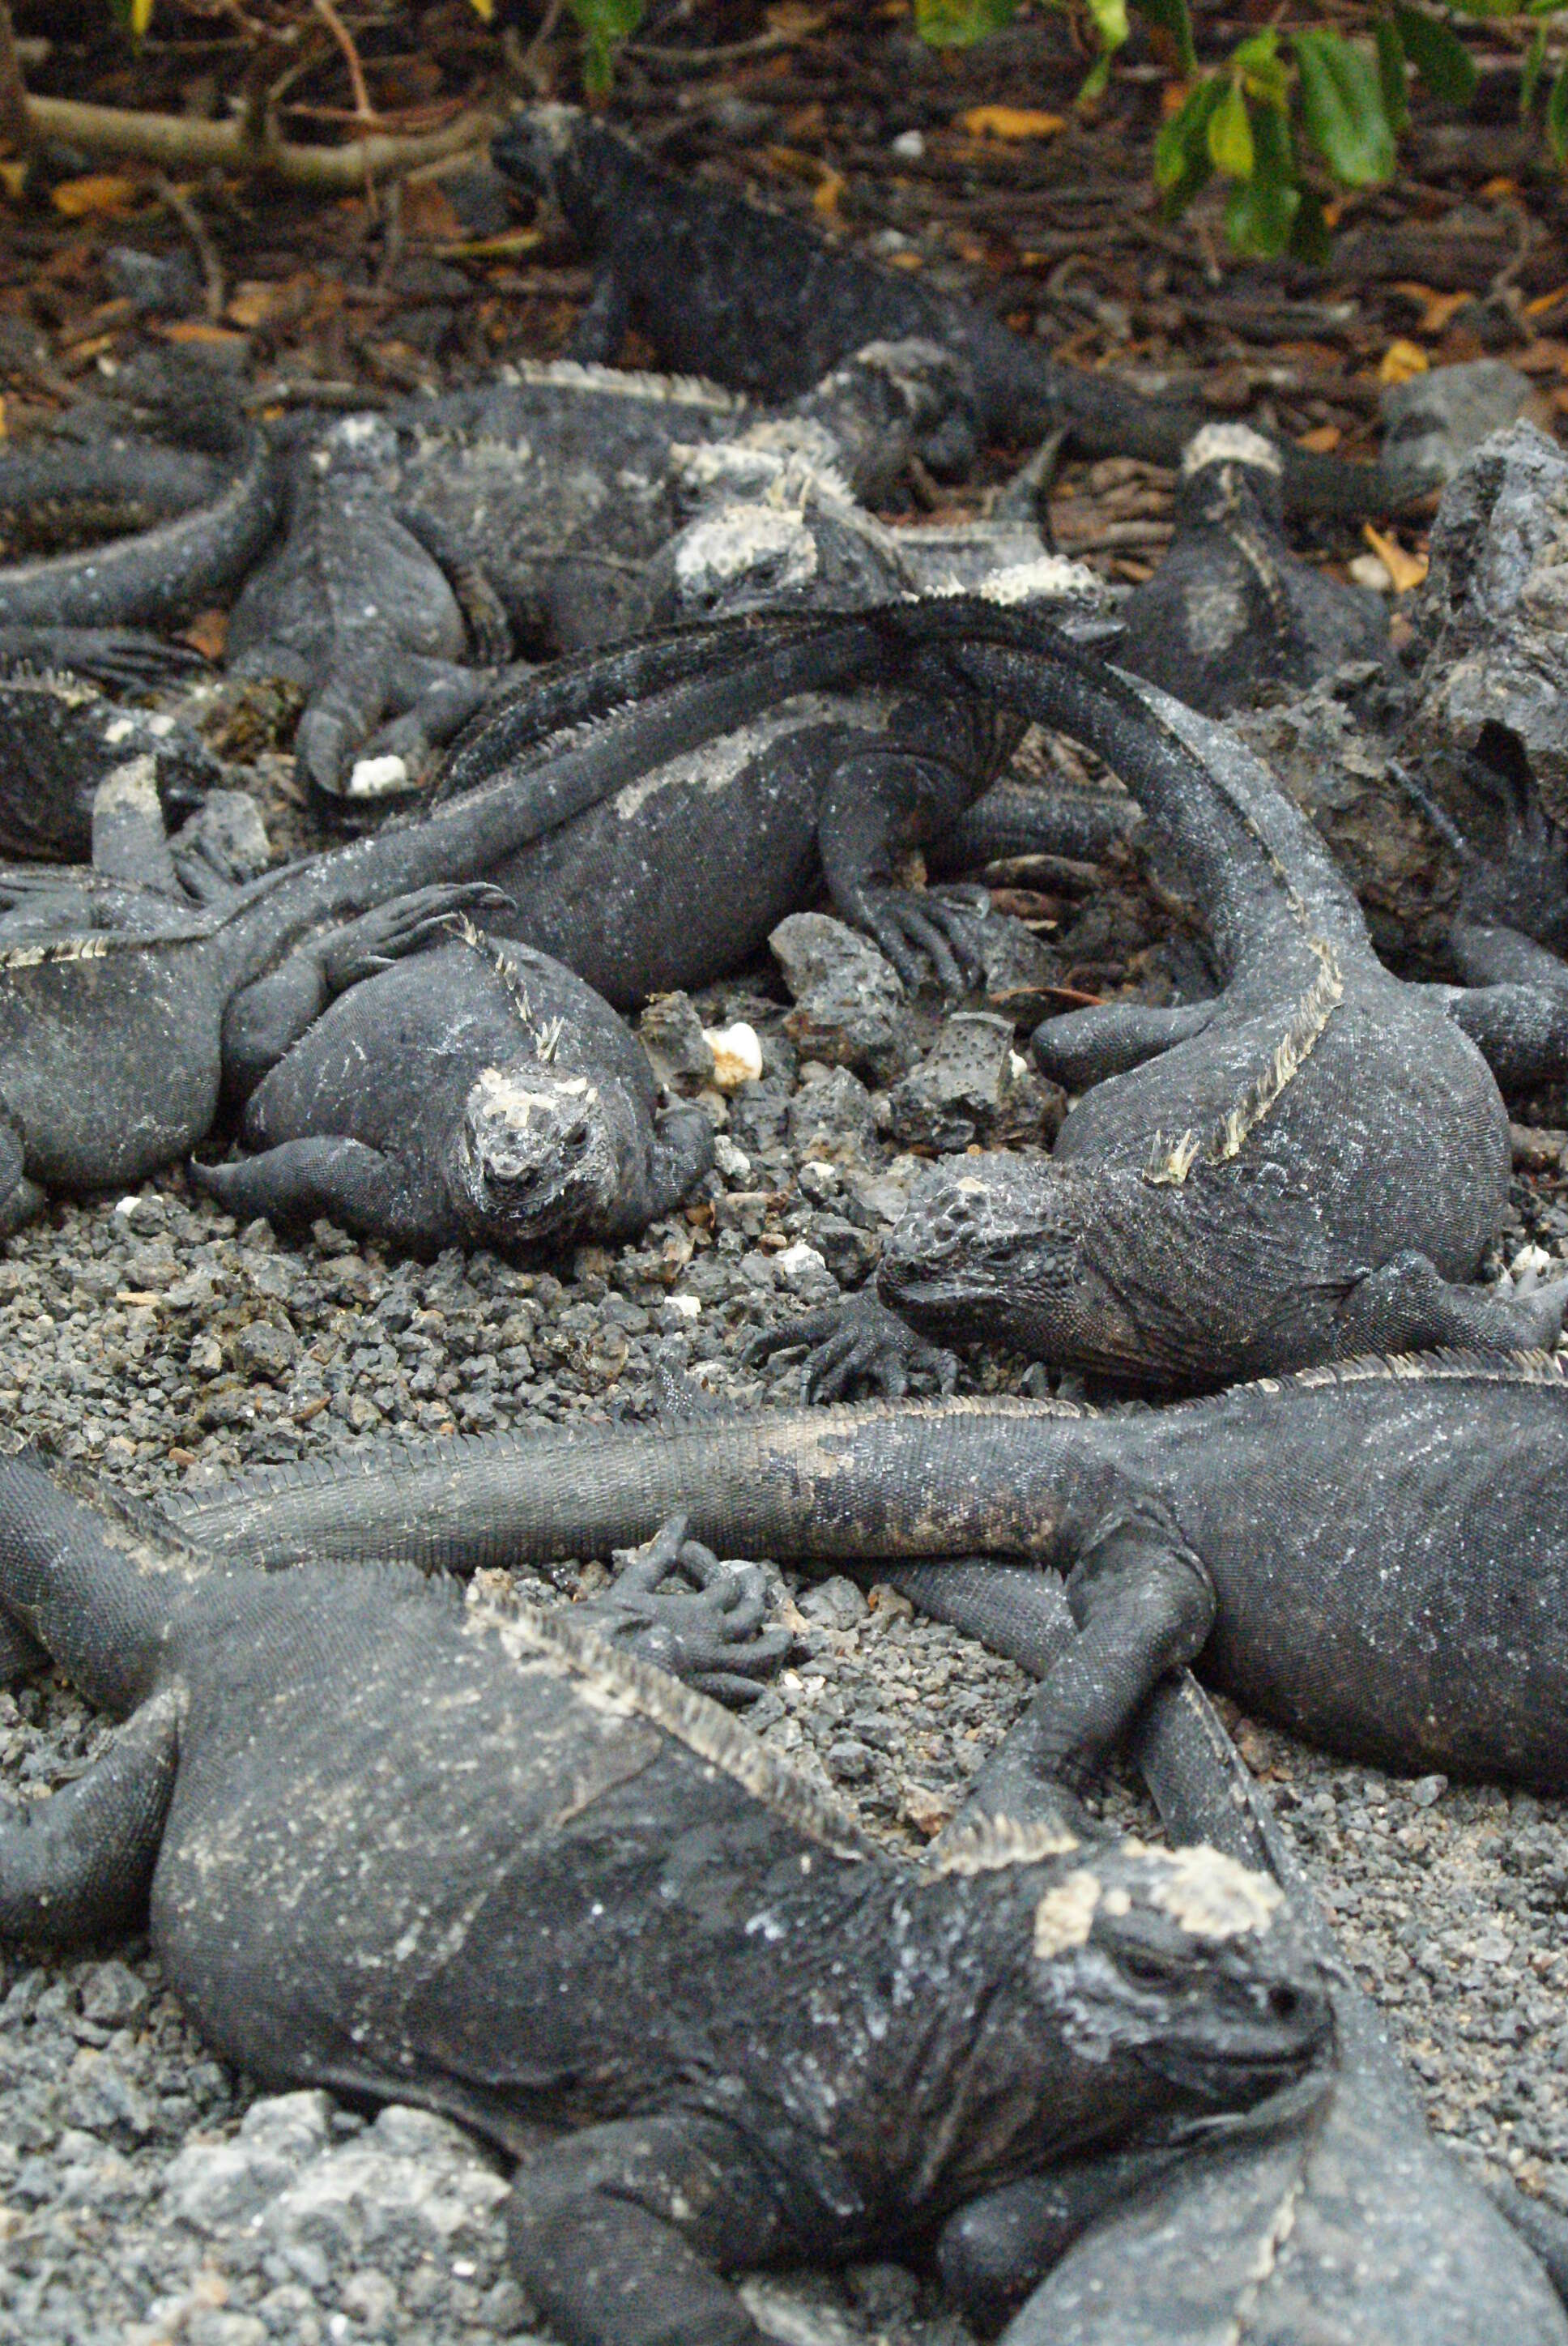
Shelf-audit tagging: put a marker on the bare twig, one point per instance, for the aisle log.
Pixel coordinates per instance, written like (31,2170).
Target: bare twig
(526,65)
(191,221)
(180,142)
(340,32)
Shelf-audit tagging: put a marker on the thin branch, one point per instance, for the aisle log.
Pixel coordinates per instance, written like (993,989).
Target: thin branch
(180,142)
(195,228)
(363,109)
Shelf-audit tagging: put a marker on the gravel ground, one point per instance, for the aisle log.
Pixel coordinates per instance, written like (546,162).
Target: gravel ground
(145,2194)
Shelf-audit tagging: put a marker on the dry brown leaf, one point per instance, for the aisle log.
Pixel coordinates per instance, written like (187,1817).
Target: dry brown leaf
(1401,360)
(102,195)
(826,193)
(504,247)
(1437,309)
(254,300)
(207,633)
(13,179)
(1322,440)
(1405,570)
(197,330)
(1011,122)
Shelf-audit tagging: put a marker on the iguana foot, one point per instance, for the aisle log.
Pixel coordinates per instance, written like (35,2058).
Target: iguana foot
(121,659)
(859,1343)
(403,926)
(21,1200)
(708,1635)
(908,923)
(1404,1306)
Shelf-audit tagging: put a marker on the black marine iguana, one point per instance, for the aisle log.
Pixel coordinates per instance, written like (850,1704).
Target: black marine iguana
(1330,2218)
(478,1094)
(723,288)
(1310,1164)
(409,1850)
(1374,1555)
(110,1044)
(1231,610)
(369,610)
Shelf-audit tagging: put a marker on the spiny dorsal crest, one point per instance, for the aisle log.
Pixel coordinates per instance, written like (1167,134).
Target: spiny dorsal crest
(987,1844)
(1170,1162)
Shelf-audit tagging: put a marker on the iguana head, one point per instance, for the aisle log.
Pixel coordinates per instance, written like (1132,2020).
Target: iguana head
(1003,1248)
(1184,1960)
(537,1152)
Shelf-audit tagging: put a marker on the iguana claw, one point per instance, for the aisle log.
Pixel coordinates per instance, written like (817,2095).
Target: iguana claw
(859,1342)
(708,1635)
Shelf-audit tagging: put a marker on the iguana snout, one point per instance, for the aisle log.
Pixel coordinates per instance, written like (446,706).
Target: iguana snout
(1190,1961)
(536,1151)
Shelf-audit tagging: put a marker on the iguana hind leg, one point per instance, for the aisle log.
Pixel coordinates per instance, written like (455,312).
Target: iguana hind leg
(611,2231)
(710,1635)
(854,1343)
(80,1862)
(1404,1306)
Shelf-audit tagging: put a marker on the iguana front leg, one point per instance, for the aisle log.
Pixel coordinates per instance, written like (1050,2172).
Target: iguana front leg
(21,1200)
(710,1636)
(326,1175)
(1144,1604)
(680,1155)
(614,2232)
(857,1343)
(878,802)
(80,1864)
(1086,1046)
(267,1018)
(1406,1306)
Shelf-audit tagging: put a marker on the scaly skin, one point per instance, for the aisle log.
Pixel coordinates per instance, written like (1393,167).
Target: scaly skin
(1375,1556)
(759,302)
(59,738)
(110,1044)
(1311,1164)
(539,1883)
(473,1093)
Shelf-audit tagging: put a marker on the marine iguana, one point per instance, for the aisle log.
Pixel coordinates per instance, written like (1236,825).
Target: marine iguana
(367,610)
(756,300)
(1231,610)
(542,1885)
(1308,1164)
(110,1044)
(1373,1555)
(59,738)
(528,509)
(477,1094)
(563,481)
(1331,2218)
(837,786)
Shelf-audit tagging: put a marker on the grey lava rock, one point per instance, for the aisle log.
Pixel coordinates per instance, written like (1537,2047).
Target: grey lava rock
(973,1085)
(849,1004)
(1434,421)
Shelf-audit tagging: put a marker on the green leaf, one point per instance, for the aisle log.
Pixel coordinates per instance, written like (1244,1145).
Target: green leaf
(1342,108)
(1391,73)
(1230,137)
(1256,63)
(1557,117)
(1260,214)
(136,15)
(1182,164)
(1530,74)
(1438,54)
(1171,17)
(1497,7)
(958,24)
(1110,22)
(1093,86)
(605,24)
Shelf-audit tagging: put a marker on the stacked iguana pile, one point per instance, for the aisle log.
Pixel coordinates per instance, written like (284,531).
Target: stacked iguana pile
(514,1865)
